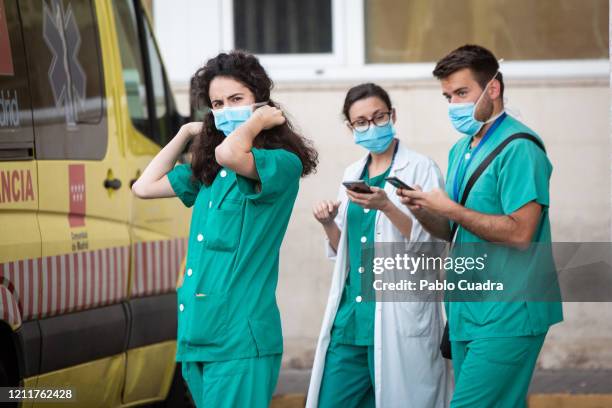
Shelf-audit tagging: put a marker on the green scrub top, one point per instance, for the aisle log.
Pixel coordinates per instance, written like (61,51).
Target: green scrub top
(354,322)
(227,304)
(519,175)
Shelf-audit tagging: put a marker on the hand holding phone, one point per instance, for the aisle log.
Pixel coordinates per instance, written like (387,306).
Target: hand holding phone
(358,186)
(397,183)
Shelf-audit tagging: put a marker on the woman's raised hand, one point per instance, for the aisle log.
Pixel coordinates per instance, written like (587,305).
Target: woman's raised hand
(192,129)
(269,116)
(325,211)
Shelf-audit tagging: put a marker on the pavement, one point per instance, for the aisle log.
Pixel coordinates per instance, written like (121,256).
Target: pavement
(567,388)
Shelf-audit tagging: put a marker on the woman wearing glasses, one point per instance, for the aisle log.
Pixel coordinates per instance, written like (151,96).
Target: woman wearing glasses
(372,353)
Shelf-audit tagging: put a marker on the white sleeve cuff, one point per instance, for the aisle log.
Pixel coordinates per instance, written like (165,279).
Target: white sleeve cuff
(329,251)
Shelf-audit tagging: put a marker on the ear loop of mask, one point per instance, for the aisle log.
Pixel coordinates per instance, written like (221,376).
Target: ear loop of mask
(493,118)
(506,108)
(514,111)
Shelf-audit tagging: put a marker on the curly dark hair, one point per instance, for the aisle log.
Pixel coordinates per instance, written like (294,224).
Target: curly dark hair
(245,68)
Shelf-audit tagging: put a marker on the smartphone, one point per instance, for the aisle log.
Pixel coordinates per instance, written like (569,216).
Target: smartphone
(358,186)
(397,183)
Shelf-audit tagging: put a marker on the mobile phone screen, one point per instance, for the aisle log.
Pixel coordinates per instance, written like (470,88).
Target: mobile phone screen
(394,181)
(358,186)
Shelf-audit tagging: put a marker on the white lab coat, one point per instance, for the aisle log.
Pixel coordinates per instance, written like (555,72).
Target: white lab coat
(409,370)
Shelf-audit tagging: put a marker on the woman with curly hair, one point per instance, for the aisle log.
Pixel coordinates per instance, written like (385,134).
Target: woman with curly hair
(242,182)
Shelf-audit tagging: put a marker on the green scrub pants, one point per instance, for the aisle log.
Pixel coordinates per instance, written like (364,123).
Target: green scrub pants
(494,372)
(348,377)
(246,382)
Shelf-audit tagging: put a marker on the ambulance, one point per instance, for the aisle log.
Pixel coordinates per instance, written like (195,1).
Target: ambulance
(88,271)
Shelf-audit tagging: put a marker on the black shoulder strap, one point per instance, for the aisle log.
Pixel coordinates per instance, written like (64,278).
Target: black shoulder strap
(485,163)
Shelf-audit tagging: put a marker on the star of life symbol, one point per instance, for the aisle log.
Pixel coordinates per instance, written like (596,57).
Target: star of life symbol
(66,75)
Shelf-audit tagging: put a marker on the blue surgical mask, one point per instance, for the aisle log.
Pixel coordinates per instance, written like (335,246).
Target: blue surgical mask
(462,117)
(376,139)
(229,119)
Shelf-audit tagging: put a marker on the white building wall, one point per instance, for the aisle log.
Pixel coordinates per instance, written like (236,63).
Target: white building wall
(568,104)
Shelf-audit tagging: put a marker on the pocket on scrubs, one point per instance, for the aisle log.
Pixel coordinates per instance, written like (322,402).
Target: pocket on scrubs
(231,204)
(208,321)
(223,226)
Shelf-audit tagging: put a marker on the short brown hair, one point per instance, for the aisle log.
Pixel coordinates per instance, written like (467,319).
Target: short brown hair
(479,60)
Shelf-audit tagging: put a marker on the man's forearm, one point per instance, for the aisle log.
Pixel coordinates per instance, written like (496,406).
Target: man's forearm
(436,225)
(493,228)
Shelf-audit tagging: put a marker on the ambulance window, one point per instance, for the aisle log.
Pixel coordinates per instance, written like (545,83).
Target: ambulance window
(132,64)
(143,74)
(66,80)
(16,133)
(159,90)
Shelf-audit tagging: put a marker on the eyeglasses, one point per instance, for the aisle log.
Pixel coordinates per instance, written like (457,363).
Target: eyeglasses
(380,119)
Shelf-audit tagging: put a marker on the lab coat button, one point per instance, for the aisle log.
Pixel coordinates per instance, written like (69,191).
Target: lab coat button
(189,272)
(361,269)
(363,239)
(366,210)
(223,173)
(200,237)
(181,307)
(358,299)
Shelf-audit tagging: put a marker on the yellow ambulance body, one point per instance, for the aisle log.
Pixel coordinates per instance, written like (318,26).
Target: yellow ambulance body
(87,271)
